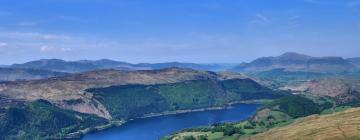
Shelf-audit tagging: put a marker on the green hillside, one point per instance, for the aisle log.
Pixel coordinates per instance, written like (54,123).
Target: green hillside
(277,113)
(42,120)
(129,101)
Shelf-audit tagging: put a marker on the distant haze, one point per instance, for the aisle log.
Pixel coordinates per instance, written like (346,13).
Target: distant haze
(211,31)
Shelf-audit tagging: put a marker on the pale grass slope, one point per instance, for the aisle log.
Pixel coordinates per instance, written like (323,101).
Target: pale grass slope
(339,126)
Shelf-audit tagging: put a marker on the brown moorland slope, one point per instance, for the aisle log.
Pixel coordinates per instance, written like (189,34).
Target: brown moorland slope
(343,90)
(64,90)
(338,126)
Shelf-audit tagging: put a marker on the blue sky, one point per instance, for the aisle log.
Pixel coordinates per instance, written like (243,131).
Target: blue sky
(200,31)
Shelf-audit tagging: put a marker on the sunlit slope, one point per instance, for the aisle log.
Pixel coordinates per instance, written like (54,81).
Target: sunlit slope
(339,126)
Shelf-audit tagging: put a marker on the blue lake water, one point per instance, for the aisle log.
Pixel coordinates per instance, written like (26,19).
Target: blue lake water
(156,127)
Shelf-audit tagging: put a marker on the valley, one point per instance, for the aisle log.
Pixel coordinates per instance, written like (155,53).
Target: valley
(179,70)
(113,97)
(95,100)
(315,97)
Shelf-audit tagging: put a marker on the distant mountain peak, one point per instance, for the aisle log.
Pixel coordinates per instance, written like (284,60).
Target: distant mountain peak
(174,68)
(91,65)
(294,55)
(51,60)
(293,61)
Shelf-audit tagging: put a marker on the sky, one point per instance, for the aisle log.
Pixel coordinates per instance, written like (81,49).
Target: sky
(200,31)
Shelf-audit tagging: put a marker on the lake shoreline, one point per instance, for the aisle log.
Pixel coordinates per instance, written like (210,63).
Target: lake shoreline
(112,124)
(227,106)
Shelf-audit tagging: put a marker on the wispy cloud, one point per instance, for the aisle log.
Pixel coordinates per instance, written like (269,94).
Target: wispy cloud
(65,49)
(45,48)
(293,21)
(53,43)
(3,44)
(33,36)
(3,47)
(42,42)
(261,19)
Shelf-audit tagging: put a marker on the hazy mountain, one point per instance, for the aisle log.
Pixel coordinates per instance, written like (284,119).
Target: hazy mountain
(298,62)
(13,74)
(90,65)
(355,61)
(210,67)
(69,66)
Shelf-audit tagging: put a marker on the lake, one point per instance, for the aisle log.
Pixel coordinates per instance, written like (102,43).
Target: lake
(155,127)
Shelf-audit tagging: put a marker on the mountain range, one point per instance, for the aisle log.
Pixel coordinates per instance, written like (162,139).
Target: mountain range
(299,62)
(57,99)
(355,60)
(90,65)
(15,74)
(289,61)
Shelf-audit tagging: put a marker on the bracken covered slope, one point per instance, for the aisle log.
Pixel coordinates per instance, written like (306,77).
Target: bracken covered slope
(339,126)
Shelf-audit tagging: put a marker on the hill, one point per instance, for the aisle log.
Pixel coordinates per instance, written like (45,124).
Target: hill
(14,74)
(70,92)
(131,101)
(355,60)
(280,112)
(88,100)
(69,66)
(323,96)
(339,126)
(210,67)
(91,65)
(345,91)
(42,120)
(60,90)
(298,62)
